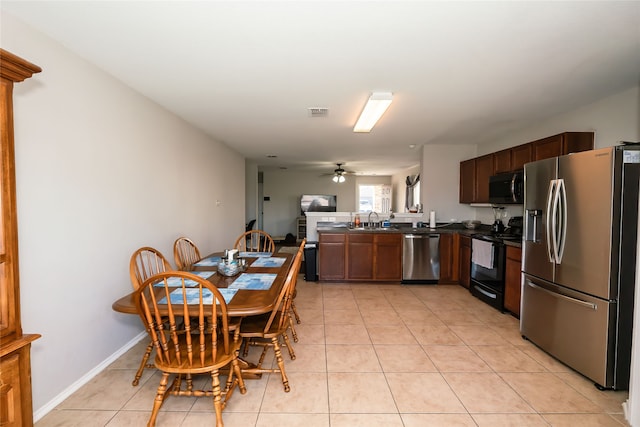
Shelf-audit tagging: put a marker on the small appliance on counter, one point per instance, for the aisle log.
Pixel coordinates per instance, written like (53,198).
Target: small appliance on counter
(498,214)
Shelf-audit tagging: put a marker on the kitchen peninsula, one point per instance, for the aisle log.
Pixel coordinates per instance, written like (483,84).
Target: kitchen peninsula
(372,253)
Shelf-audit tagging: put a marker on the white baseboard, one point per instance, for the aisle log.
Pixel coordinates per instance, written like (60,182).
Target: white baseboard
(49,406)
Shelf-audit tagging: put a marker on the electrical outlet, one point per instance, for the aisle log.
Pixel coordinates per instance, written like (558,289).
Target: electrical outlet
(218,203)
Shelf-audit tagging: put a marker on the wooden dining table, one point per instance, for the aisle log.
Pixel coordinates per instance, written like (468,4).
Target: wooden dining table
(245,302)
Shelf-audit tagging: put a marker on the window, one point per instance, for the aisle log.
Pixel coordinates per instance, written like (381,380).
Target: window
(374,198)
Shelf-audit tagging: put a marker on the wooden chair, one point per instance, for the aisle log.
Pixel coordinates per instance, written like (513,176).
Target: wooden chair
(266,329)
(293,312)
(255,241)
(203,346)
(146,262)
(185,253)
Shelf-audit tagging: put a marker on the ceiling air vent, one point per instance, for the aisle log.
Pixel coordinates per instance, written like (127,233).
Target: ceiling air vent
(318,112)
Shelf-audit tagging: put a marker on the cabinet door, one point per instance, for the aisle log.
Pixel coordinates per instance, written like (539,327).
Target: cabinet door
(331,256)
(520,155)
(502,162)
(547,147)
(465,261)
(360,256)
(10,391)
(449,263)
(574,142)
(467,181)
(512,280)
(388,257)
(484,170)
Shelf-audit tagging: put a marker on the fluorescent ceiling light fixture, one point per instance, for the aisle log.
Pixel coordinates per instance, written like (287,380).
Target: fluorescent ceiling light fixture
(374,109)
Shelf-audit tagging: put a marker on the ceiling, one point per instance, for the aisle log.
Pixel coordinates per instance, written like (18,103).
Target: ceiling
(246,73)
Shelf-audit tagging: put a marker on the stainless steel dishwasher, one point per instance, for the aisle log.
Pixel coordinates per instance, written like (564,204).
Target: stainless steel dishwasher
(421,258)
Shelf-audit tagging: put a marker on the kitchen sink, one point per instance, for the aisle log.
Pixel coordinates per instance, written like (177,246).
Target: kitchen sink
(374,229)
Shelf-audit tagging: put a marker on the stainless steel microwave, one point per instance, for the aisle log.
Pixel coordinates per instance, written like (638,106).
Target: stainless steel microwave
(507,188)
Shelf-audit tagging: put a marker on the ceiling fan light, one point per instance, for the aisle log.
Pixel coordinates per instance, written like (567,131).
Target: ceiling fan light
(335,178)
(341,179)
(374,109)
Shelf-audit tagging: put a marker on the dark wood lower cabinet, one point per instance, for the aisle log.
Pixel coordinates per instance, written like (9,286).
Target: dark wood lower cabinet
(360,256)
(449,258)
(512,280)
(331,256)
(465,261)
(388,257)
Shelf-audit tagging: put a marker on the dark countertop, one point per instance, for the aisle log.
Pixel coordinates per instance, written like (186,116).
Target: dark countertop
(513,243)
(404,229)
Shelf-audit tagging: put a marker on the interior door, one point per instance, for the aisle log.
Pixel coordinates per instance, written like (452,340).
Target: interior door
(586,260)
(538,176)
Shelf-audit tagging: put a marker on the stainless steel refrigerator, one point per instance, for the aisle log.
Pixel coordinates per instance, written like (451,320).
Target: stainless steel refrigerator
(579,259)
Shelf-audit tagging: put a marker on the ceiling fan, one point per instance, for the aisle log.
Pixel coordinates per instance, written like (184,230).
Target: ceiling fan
(339,173)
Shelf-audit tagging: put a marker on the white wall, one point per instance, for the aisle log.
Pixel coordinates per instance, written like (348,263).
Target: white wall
(101,171)
(285,187)
(440,181)
(614,118)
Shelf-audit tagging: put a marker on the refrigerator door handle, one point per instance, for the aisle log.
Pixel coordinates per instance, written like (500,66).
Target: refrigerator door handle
(563,297)
(562,231)
(555,221)
(549,220)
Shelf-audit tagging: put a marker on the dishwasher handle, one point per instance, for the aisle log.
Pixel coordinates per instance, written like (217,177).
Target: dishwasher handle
(421,236)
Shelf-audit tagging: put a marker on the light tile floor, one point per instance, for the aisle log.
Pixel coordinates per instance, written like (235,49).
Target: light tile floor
(375,355)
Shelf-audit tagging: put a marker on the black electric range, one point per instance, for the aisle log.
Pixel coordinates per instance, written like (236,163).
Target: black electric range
(488,263)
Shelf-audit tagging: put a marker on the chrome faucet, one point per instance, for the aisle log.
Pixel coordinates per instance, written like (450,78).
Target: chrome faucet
(377,218)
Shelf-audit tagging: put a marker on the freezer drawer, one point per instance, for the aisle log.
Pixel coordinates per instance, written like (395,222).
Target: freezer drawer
(575,328)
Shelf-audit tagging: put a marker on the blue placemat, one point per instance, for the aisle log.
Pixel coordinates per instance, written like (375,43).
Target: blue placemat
(268,262)
(193,296)
(208,262)
(255,254)
(253,281)
(177,281)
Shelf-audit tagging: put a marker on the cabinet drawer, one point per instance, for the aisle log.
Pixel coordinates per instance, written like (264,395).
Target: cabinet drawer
(332,238)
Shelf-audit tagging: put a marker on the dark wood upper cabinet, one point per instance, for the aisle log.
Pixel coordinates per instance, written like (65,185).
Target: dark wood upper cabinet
(502,161)
(564,143)
(484,170)
(475,173)
(520,155)
(468,181)
(547,147)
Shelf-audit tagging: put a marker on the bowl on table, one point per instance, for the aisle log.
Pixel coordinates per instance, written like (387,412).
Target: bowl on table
(471,224)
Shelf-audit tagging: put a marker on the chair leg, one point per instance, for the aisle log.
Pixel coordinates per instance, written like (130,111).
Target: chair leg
(293,329)
(217,397)
(161,395)
(276,349)
(295,312)
(292,353)
(143,364)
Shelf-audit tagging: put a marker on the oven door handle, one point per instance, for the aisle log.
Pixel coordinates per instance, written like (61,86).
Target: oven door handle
(485,293)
